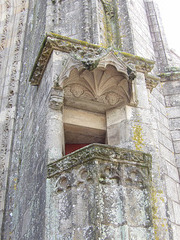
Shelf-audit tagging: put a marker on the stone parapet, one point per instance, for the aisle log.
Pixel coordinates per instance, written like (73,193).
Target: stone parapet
(100,192)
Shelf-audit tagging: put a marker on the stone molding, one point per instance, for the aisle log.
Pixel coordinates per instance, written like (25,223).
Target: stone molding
(140,64)
(102,152)
(172,74)
(56,42)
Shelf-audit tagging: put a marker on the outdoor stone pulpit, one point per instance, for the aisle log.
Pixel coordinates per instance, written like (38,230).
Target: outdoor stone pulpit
(99,192)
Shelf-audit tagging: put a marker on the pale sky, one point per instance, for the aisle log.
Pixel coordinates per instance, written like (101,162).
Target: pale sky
(170,14)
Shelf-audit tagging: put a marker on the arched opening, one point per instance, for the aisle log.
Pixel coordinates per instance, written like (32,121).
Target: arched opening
(82,128)
(88,96)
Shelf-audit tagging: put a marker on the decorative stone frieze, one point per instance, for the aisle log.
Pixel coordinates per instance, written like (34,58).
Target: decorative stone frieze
(83,50)
(99,151)
(97,192)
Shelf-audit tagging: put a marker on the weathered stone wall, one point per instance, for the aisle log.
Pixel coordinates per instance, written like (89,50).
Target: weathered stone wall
(140,29)
(157,35)
(13,22)
(171,92)
(166,189)
(26,122)
(24,191)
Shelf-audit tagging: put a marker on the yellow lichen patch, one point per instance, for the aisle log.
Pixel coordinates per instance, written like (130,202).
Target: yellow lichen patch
(15,183)
(158,223)
(138,137)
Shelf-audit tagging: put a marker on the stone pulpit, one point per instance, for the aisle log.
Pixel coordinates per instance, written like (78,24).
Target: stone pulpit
(100,192)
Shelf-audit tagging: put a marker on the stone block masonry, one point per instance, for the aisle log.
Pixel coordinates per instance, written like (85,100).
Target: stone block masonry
(100,192)
(97,70)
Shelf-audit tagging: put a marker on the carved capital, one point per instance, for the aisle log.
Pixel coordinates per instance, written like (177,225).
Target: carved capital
(56,99)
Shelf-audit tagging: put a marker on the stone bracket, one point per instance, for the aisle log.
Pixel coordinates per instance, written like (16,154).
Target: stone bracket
(56,99)
(151,81)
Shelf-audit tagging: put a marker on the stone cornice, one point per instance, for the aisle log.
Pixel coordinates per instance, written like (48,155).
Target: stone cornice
(171,75)
(64,44)
(99,151)
(141,64)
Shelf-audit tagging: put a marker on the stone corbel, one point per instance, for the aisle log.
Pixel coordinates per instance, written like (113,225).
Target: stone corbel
(56,99)
(132,75)
(151,81)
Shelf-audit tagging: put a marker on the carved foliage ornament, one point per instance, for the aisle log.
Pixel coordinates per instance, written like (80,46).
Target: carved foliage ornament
(98,151)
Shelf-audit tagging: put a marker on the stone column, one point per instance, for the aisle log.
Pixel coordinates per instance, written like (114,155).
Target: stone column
(99,192)
(55,130)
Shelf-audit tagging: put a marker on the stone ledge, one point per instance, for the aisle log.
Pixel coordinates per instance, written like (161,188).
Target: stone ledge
(171,74)
(99,151)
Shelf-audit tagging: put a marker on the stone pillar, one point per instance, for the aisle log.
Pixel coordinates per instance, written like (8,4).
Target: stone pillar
(55,130)
(99,192)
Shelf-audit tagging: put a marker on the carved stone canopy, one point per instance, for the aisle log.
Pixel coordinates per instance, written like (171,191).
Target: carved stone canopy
(63,44)
(105,86)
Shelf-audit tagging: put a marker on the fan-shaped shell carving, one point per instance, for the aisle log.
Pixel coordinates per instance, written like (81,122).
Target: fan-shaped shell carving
(107,86)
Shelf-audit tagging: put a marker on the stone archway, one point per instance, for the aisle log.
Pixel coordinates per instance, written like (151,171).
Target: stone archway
(90,90)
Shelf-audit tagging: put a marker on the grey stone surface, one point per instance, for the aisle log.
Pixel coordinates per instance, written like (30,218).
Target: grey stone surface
(98,196)
(31,129)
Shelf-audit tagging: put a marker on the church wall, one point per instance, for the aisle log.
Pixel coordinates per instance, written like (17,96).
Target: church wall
(24,111)
(13,22)
(171,92)
(24,197)
(140,29)
(166,165)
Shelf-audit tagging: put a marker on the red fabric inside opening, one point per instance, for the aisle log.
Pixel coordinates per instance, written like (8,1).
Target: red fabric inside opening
(69,148)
